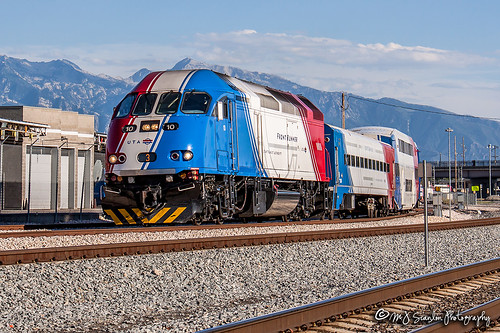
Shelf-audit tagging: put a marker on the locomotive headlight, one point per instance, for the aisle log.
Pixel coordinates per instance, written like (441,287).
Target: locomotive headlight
(187,155)
(174,156)
(112,159)
(117,158)
(150,126)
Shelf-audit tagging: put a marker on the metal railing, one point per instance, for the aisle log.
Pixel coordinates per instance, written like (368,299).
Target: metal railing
(473,163)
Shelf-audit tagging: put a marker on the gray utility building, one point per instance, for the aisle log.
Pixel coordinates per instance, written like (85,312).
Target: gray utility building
(47,158)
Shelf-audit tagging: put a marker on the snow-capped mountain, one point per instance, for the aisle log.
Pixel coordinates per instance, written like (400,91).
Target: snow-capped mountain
(62,84)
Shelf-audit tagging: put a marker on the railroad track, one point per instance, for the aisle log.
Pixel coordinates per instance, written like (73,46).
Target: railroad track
(120,249)
(393,304)
(104,228)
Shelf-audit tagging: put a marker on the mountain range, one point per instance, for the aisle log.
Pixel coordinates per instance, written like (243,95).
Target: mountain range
(62,84)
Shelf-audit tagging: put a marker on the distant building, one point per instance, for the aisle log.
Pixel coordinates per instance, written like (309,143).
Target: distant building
(47,157)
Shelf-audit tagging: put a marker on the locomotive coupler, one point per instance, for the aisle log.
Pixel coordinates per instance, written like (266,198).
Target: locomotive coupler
(150,196)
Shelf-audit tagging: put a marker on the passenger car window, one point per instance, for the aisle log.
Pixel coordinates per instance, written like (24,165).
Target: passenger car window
(144,104)
(123,109)
(195,102)
(168,103)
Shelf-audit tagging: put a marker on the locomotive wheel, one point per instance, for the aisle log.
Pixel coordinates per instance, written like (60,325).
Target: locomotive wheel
(218,221)
(196,221)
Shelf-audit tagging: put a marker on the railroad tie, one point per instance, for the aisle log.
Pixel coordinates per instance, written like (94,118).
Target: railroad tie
(366,320)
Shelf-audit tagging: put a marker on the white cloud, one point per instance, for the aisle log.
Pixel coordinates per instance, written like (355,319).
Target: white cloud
(264,46)
(415,74)
(246,32)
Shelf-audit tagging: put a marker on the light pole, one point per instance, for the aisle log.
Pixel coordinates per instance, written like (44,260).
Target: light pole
(449,130)
(2,185)
(495,148)
(490,146)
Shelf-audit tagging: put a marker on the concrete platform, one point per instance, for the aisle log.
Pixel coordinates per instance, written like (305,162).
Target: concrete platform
(42,216)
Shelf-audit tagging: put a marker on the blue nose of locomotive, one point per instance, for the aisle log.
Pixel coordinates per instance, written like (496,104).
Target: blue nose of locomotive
(179,145)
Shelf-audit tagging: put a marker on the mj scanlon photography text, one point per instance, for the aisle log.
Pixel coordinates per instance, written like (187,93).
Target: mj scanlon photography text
(416,318)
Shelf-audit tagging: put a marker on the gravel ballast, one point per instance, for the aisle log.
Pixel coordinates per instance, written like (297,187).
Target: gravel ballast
(14,243)
(185,292)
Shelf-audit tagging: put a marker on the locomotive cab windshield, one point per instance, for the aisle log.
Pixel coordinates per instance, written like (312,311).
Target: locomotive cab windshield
(168,103)
(123,109)
(193,102)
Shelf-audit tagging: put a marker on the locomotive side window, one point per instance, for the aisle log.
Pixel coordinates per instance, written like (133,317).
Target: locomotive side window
(168,103)
(195,102)
(144,104)
(224,103)
(125,105)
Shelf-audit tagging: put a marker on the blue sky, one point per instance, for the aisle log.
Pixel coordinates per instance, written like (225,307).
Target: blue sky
(440,53)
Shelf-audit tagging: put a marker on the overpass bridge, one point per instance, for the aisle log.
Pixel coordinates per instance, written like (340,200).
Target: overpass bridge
(467,174)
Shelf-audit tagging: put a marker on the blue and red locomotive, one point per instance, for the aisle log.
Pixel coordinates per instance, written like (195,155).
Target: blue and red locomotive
(195,145)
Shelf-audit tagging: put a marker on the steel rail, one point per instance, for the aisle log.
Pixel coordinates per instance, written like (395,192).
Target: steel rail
(76,229)
(119,230)
(309,315)
(118,249)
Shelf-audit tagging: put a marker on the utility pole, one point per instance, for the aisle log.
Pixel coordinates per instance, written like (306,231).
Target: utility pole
(456,163)
(343,110)
(463,163)
(489,171)
(426,219)
(495,148)
(449,130)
